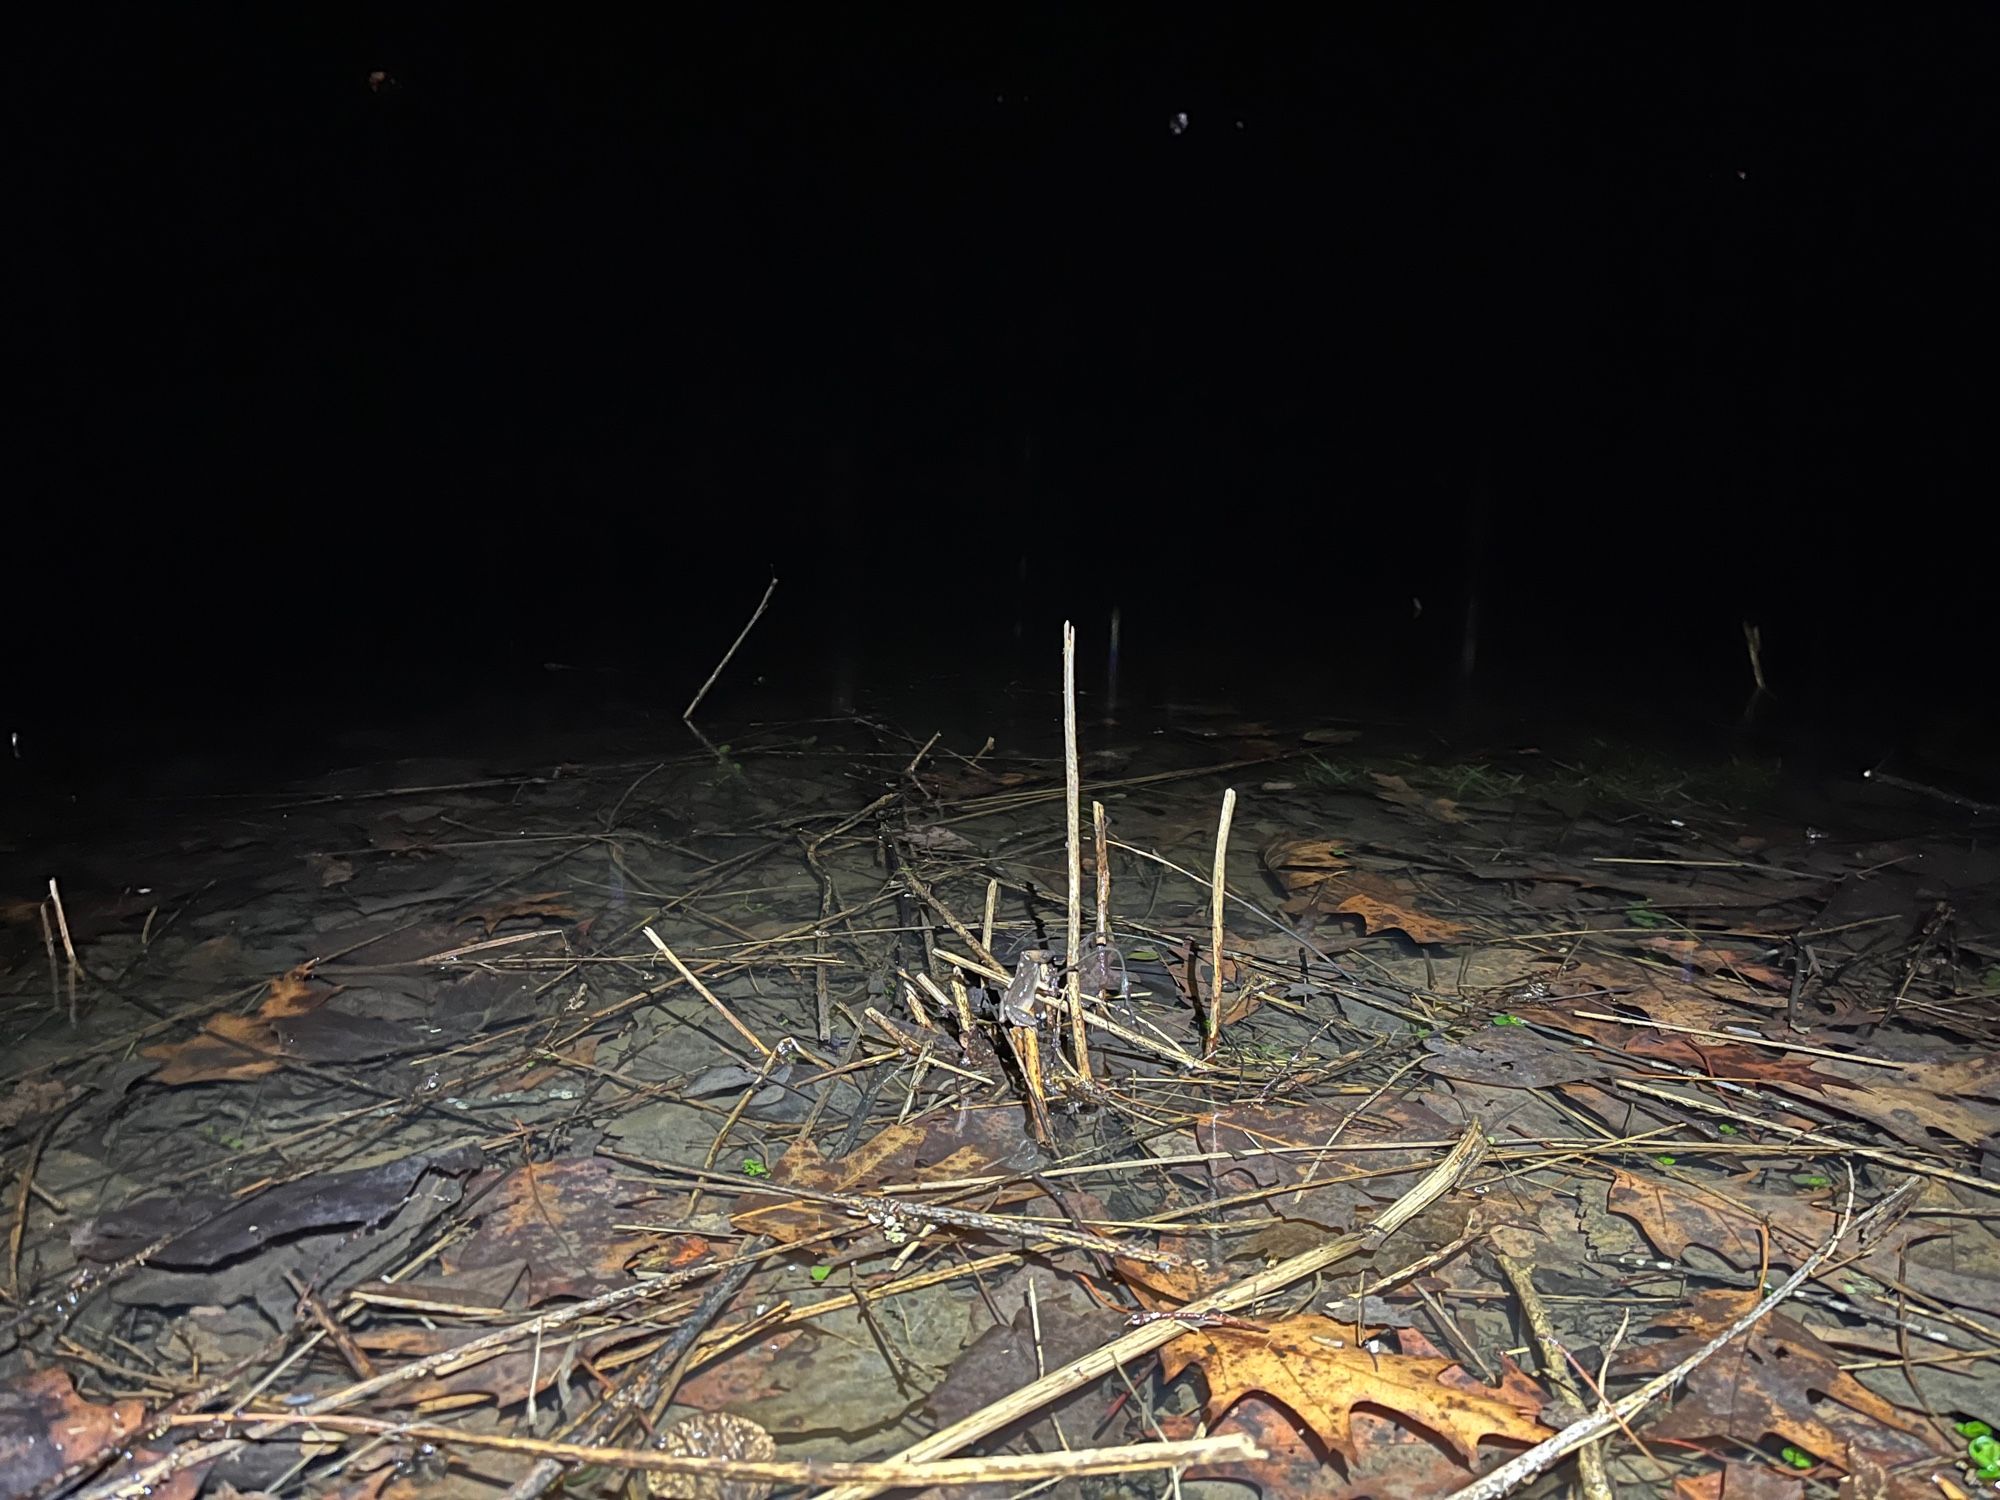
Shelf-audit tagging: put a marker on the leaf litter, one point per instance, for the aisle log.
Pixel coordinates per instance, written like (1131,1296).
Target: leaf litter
(738,1122)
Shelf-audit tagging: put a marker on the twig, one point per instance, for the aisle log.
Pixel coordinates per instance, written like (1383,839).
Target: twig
(1211,1032)
(703,990)
(950,918)
(1753,638)
(1878,774)
(618,807)
(1101,833)
(762,604)
(1932,928)
(1072,836)
(1592,1477)
(18,1231)
(721,1137)
(641,1393)
(1916,1165)
(828,900)
(1356,994)
(62,923)
(1857,1058)
(120,1486)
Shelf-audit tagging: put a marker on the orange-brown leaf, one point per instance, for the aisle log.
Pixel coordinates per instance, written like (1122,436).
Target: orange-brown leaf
(552,905)
(1300,863)
(1399,792)
(234,1047)
(1377,913)
(1308,1365)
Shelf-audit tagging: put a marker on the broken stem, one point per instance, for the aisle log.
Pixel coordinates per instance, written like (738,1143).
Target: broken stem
(1217,896)
(741,635)
(1073,816)
(1150,1336)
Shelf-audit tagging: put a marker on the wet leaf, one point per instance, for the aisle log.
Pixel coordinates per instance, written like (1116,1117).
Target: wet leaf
(218,1228)
(971,1144)
(1397,791)
(45,1427)
(562,1218)
(1513,1057)
(1309,1365)
(1777,1381)
(546,906)
(1382,909)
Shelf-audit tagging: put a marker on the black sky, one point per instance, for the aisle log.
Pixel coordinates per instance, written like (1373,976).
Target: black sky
(1642,320)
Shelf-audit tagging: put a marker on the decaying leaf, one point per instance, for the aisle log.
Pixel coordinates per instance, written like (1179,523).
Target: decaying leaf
(50,1427)
(1317,878)
(1674,1217)
(1709,957)
(1399,792)
(1513,1057)
(1381,908)
(546,905)
(969,1145)
(1302,863)
(230,1046)
(1309,1365)
(559,1217)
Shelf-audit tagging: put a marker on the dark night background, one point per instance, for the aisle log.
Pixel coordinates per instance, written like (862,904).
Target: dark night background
(336,401)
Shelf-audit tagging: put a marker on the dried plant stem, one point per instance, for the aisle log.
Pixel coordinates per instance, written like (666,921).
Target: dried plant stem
(972,966)
(946,915)
(1859,1059)
(1026,1044)
(1101,832)
(1753,639)
(822,943)
(49,947)
(998,1467)
(62,924)
(1592,1477)
(485,1346)
(721,1137)
(1079,1039)
(1218,897)
(1150,1336)
(741,636)
(707,994)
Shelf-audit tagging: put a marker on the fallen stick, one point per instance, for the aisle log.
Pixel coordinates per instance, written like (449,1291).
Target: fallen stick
(762,604)
(1233,1447)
